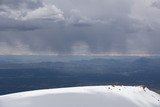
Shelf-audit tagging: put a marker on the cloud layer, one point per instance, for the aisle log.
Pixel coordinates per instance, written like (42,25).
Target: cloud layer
(80,27)
(45,11)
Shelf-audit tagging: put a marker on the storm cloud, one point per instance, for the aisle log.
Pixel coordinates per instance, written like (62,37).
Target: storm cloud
(79,27)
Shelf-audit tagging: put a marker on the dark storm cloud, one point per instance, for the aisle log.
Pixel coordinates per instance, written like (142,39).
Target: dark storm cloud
(12,25)
(99,27)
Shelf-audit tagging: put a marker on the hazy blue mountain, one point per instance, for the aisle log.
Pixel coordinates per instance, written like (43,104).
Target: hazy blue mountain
(21,76)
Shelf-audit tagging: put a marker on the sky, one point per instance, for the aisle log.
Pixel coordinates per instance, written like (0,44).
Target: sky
(80,27)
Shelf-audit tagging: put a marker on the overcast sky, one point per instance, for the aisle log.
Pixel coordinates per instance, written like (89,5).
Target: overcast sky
(80,27)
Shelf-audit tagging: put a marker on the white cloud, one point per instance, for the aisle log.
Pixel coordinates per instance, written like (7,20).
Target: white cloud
(47,11)
(80,48)
(76,18)
(17,49)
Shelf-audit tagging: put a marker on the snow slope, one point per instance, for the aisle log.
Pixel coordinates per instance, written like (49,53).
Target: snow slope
(92,96)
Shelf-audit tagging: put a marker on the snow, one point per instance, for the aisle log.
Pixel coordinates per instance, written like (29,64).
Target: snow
(91,96)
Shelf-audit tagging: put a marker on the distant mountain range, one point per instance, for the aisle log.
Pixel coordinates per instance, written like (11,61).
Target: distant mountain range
(30,75)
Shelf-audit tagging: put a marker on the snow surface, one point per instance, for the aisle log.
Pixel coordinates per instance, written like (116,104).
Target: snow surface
(91,96)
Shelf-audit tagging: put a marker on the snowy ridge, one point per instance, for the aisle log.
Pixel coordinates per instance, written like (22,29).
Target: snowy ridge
(91,96)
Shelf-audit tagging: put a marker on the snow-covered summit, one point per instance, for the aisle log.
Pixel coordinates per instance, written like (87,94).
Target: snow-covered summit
(91,96)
